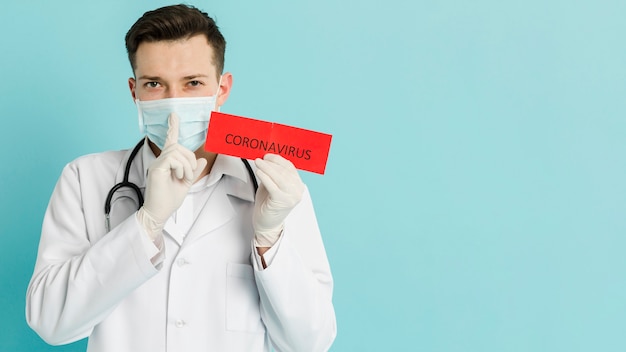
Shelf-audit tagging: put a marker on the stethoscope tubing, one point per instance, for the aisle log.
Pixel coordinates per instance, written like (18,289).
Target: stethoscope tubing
(126,183)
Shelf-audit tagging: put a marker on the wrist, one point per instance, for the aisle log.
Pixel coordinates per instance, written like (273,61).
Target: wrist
(152,227)
(267,238)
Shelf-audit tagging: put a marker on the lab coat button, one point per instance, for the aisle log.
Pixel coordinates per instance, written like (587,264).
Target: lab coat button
(181,261)
(180,323)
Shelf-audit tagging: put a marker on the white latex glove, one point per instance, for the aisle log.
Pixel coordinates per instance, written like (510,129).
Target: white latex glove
(169,179)
(281,189)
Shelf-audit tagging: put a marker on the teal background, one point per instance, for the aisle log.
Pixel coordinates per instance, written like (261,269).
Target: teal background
(475,195)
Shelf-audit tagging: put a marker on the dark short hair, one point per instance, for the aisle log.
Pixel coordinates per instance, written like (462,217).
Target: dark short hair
(174,23)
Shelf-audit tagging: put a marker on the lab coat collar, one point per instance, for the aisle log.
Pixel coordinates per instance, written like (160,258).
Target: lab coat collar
(239,183)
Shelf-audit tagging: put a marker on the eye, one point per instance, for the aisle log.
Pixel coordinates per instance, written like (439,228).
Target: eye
(152,84)
(195,83)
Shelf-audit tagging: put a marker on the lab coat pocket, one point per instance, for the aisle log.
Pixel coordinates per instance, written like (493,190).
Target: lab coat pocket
(242,299)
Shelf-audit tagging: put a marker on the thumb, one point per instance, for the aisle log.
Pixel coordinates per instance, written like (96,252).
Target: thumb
(201,165)
(172,130)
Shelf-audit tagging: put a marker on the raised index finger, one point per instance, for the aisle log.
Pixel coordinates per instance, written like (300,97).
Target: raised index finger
(172,131)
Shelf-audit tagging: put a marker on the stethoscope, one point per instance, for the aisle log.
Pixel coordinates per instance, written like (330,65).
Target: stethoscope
(134,187)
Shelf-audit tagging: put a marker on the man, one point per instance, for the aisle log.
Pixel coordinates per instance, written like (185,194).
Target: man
(205,263)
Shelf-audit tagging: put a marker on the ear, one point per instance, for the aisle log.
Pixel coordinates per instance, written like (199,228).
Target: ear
(224,88)
(132,84)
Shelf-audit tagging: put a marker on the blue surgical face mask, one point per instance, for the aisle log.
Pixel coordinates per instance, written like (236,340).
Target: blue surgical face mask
(193,113)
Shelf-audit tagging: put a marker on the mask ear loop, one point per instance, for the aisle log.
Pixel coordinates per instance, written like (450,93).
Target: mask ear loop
(219,84)
(142,126)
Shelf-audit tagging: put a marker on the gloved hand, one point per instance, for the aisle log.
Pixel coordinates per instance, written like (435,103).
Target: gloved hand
(168,181)
(281,189)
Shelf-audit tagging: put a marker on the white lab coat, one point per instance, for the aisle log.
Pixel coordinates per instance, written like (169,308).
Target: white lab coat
(207,295)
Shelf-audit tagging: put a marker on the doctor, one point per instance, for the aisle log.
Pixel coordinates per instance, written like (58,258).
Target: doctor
(205,263)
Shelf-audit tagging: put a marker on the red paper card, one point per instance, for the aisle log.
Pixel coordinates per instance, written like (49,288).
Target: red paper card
(250,139)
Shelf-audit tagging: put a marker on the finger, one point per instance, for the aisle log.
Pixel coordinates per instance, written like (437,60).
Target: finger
(182,152)
(171,166)
(280,175)
(174,161)
(172,131)
(177,168)
(283,172)
(267,181)
(279,160)
(188,155)
(185,168)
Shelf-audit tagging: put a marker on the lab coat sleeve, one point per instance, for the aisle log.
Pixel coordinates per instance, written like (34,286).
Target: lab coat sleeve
(296,288)
(78,277)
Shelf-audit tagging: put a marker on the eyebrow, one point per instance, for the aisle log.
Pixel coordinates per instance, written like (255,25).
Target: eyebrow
(199,75)
(157,78)
(149,78)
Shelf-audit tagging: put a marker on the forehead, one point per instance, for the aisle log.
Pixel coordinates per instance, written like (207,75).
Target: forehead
(175,57)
